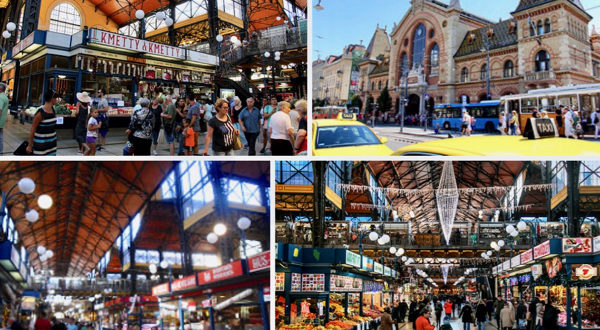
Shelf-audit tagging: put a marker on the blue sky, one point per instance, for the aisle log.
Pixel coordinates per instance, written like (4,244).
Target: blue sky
(344,22)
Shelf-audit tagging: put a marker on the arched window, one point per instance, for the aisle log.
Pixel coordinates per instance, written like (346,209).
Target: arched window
(531,29)
(434,60)
(484,70)
(542,61)
(379,85)
(547,25)
(65,19)
(373,86)
(540,28)
(464,75)
(404,65)
(509,69)
(418,54)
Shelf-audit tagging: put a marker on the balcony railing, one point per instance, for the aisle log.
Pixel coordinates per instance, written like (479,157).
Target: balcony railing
(542,75)
(97,286)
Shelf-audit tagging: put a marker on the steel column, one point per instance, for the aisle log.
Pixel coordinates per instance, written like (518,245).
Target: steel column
(573,197)
(318,230)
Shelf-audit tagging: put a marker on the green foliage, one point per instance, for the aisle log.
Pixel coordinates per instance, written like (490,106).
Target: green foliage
(384,101)
(355,101)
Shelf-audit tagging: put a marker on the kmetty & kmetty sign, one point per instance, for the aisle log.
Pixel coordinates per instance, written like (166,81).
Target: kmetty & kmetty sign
(110,39)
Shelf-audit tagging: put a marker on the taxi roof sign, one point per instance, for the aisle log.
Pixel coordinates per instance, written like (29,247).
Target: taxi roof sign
(537,128)
(346,116)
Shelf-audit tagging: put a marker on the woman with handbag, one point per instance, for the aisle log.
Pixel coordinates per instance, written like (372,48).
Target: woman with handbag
(140,129)
(169,116)
(221,132)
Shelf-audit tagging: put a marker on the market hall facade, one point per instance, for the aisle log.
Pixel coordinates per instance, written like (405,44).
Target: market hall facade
(437,53)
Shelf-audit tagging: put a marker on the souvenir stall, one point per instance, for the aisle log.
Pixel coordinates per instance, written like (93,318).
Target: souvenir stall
(232,296)
(136,311)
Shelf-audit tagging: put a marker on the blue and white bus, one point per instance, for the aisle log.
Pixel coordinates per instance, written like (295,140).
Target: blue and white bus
(449,116)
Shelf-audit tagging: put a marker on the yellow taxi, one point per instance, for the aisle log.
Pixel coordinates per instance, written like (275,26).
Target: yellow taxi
(540,138)
(345,136)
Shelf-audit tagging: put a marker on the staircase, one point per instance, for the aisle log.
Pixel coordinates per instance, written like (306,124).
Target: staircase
(229,77)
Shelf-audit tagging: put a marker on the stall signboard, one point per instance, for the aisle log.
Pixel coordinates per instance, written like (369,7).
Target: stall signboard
(597,244)
(526,256)
(267,293)
(536,271)
(583,272)
(313,282)
(367,263)
(9,256)
(515,261)
(206,303)
(224,272)
(109,39)
(160,289)
(338,283)
(394,275)
(184,283)
(296,282)
(506,265)
(259,262)
(387,271)
(279,281)
(514,281)
(553,267)
(541,250)
(98,307)
(377,268)
(573,245)
(524,278)
(352,259)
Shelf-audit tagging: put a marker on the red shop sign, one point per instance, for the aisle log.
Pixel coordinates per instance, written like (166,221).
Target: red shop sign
(224,272)
(184,283)
(526,256)
(542,250)
(160,289)
(259,262)
(206,303)
(150,74)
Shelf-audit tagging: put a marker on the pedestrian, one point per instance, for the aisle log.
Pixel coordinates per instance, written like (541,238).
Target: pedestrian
(140,129)
(157,111)
(236,110)
(448,308)
(481,315)
(569,124)
(396,315)
(498,308)
(595,121)
(249,120)
(182,110)
(578,125)
(438,312)
(507,317)
(281,131)
(466,314)
(188,137)
(81,118)
(539,319)
(14,324)
(221,131)
(466,122)
(295,118)
(513,122)
(194,116)
(502,124)
(169,116)
(386,320)
(42,136)
(42,323)
(268,111)
(103,109)
(521,315)
(535,113)
(422,322)
(489,305)
(532,313)
(3,114)
(92,132)
(301,134)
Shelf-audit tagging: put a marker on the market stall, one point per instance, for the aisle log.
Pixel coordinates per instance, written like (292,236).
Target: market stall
(232,296)
(136,311)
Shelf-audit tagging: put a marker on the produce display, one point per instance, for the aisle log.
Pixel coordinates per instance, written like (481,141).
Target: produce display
(68,110)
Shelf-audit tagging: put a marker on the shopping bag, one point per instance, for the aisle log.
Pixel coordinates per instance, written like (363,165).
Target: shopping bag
(237,143)
(22,149)
(128,149)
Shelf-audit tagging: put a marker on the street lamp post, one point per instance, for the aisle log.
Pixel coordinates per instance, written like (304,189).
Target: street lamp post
(405,99)
(486,45)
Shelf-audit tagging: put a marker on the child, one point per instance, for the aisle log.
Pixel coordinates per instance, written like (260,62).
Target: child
(188,137)
(92,132)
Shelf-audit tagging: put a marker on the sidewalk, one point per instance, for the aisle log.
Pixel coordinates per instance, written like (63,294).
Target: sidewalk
(15,133)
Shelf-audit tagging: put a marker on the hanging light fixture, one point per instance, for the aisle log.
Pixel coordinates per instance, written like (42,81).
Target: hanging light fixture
(10,26)
(140,14)
(318,6)
(445,269)
(161,16)
(447,200)
(373,236)
(168,21)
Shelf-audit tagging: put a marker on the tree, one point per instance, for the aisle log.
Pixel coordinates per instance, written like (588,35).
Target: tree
(355,101)
(369,107)
(384,101)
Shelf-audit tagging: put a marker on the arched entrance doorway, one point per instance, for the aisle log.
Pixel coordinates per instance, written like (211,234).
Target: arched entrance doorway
(414,105)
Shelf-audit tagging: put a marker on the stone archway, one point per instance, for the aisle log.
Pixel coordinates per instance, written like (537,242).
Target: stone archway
(414,105)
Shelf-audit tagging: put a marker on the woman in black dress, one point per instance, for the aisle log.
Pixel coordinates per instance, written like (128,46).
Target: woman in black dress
(221,131)
(81,120)
(42,137)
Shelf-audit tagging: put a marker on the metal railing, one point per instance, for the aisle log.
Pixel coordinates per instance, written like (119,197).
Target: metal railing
(543,75)
(282,40)
(97,286)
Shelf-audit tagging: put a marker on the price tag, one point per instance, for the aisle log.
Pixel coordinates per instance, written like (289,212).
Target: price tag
(60,120)
(537,128)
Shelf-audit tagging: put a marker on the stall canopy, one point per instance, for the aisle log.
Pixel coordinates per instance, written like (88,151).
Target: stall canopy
(93,201)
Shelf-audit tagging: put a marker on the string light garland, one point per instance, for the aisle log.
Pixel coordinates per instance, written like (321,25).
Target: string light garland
(490,211)
(430,191)
(446,197)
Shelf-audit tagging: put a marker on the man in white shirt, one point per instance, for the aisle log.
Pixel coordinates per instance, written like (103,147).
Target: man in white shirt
(281,131)
(295,118)
(596,122)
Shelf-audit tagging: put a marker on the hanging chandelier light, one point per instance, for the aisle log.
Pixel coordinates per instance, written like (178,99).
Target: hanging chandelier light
(445,269)
(447,200)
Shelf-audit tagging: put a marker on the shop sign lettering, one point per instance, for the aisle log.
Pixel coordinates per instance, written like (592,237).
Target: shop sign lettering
(160,289)
(352,259)
(515,261)
(143,46)
(184,283)
(259,262)
(221,273)
(367,263)
(577,245)
(28,41)
(378,268)
(536,271)
(585,272)
(541,250)
(526,256)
